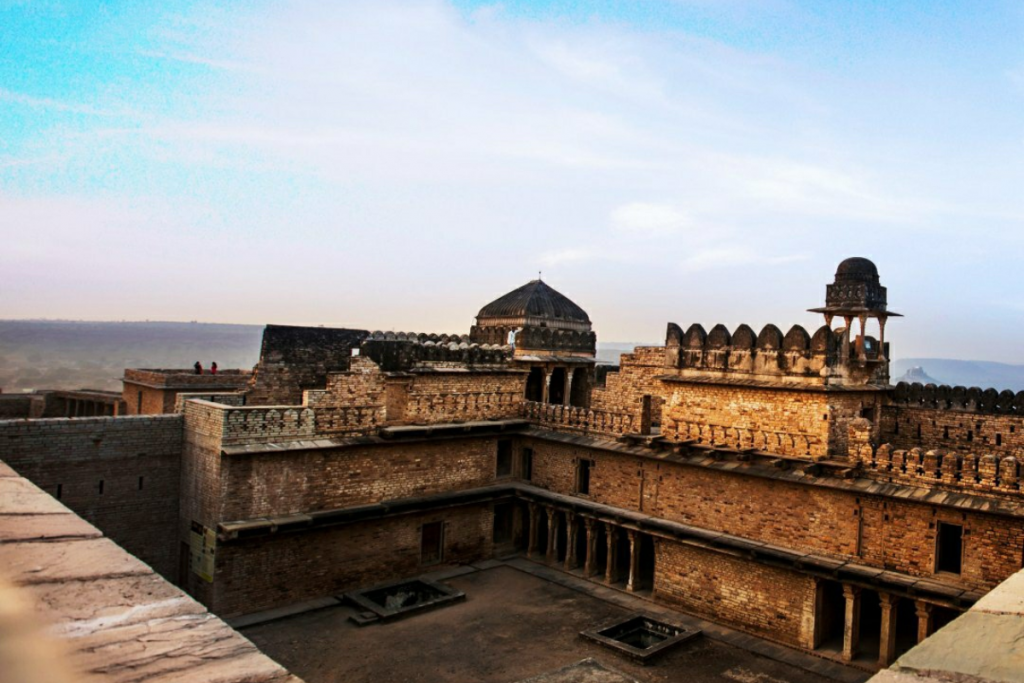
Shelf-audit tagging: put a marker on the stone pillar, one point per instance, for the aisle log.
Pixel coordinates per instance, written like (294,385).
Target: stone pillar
(531,547)
(571,529)
(589,568)
(634,560)
(611,569)
(861,352)
(851,628)
(547,386)
(552,553)
(887,641)
(568,387)
(924,619)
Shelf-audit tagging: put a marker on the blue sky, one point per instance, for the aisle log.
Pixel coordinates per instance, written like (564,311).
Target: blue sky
(396,165)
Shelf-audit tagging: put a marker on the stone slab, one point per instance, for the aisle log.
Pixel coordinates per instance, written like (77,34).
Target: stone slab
(1007,598)
(197,647)
(28,563)
(980,644)
(77,607)
(45,528)
(19,497)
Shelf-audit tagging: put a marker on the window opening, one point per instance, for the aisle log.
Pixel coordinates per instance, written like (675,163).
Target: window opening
(504,468)
(949,548)
(432,543)
(583,476)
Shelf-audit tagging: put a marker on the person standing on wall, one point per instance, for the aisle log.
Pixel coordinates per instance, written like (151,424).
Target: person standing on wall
(198,367)
(213,368)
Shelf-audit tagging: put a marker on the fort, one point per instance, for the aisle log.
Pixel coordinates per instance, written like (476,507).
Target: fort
(773,484)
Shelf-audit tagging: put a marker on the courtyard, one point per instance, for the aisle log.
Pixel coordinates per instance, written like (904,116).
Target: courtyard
(512,626)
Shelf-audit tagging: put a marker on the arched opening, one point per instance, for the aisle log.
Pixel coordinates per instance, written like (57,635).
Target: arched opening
(580,391)
(556,387)
(535,385)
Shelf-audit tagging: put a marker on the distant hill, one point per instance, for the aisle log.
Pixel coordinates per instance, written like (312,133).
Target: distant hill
(917,374)
(46,354)
(968,373)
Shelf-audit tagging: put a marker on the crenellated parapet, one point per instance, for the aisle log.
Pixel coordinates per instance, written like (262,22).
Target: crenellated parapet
(769,353)
(537,338)
(973,399)
(402,351)
(981,471)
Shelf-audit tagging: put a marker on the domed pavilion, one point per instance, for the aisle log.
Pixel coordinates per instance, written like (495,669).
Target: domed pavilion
(552,337)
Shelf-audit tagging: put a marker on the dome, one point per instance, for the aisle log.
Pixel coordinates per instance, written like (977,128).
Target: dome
(857,268)
(535,300)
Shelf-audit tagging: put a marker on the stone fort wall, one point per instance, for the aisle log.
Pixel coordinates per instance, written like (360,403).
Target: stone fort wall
(847,524)
(120,473)
(293,359)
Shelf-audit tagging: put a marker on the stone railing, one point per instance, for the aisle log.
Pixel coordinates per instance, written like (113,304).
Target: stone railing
(585,420)
(481,405)
(916,467)
(769,440)
(260,424)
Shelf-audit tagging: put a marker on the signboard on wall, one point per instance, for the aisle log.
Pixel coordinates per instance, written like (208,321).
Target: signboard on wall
(202,551)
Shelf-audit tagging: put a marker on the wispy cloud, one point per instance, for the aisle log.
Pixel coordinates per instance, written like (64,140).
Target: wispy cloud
(732,257)
(650,220)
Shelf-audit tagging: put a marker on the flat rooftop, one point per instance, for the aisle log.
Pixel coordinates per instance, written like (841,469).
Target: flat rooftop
(512,626)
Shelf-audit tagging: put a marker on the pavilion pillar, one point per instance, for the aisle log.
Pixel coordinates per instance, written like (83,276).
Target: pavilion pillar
(611,569)
(568,387)
(851,627)
(552,553)
(589,564)
(571,529)
(925,619)
(881,337)
(887,641)
(861,340)
(634,560)
(547,386)
(531,547)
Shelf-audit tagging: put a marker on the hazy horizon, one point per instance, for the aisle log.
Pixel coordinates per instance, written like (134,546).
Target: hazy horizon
(398,164)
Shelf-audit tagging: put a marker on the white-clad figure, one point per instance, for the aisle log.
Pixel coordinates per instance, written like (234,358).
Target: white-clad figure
(512,337)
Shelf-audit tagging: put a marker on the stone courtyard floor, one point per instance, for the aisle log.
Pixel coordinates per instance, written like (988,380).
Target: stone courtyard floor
(512,626)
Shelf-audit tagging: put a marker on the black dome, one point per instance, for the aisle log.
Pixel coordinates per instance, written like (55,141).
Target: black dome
(535,299)
(857,268)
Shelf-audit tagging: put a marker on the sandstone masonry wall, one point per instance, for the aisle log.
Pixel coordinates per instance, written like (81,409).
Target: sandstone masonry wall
(773,603)
(952,430)
(121,474)
(899,536)
(280,570)
(268,484)
(293,359)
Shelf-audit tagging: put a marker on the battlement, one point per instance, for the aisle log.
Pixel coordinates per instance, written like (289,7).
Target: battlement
(826,354)
(973,399)
(535,337)
(403,351)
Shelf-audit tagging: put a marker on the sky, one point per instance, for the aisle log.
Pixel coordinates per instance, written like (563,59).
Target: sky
(397,165)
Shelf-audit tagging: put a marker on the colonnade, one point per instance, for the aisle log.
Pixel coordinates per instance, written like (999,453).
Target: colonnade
(901,622)
(611,552)
(556,385)
(78,407)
